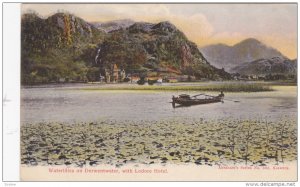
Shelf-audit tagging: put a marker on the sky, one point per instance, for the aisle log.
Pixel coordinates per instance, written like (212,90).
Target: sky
(205,24)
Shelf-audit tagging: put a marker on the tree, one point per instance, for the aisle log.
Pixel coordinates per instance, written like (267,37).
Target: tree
(93,74)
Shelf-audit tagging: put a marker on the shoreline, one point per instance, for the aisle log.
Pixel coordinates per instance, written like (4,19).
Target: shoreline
(174,83)
(226,86)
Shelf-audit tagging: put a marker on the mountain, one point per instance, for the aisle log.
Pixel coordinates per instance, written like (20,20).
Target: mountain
(65,47)
(60,46)
(113,25)
(58,30)
(271,66)
(147,47)
(224,56)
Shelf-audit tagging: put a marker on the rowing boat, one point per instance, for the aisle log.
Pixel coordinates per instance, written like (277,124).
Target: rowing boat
(187,100)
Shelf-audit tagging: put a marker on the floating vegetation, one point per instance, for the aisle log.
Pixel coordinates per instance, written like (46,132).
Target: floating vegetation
(226,87)
(215,142)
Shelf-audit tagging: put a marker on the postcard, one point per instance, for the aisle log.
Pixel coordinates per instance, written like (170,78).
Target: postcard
(158,92)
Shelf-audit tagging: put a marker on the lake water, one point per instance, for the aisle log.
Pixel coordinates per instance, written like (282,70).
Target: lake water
(68,105)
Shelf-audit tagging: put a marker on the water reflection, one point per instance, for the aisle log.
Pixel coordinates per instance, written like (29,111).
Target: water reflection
(52,104)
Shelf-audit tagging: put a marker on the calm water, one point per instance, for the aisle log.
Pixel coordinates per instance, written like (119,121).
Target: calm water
(64,104)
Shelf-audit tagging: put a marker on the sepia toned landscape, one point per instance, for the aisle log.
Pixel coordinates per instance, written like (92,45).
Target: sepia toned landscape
(100,91)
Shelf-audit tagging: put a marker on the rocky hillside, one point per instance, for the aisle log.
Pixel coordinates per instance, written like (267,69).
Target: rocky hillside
(154,47)
(58,30)
(61,46)
(248,50)
(271,66)
(65,47)
(113,25)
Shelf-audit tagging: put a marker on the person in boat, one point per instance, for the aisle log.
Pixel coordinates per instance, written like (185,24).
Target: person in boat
(221,94)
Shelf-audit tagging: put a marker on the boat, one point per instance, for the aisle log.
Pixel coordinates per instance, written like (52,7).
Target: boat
(187,100)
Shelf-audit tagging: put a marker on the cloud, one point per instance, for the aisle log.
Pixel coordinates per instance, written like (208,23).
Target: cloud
(196,27)
(229,38)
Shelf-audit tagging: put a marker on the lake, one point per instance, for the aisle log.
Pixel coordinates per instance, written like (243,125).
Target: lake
(68,104)
(68,125)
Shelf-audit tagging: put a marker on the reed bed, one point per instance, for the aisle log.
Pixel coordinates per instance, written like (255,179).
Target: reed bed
(226,87)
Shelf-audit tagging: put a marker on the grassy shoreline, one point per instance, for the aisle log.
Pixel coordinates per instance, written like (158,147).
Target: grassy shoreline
(226,87)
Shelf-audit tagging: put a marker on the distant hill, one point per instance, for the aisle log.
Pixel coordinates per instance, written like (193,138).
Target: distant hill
(228,57)
(113,25)
(271,66)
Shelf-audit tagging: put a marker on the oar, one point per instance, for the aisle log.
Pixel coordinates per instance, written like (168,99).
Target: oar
(197,95)
(209,95)
(231,100)
(224,99)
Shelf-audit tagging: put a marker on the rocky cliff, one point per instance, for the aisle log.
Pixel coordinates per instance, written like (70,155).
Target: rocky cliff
(64,46)
(60,46)
(113,25)
(152,47)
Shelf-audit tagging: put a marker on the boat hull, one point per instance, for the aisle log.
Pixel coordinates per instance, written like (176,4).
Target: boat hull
(189,102)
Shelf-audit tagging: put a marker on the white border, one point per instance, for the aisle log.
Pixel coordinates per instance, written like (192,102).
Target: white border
(11,91)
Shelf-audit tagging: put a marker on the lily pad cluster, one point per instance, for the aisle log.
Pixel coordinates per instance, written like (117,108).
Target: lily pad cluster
(200,142)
